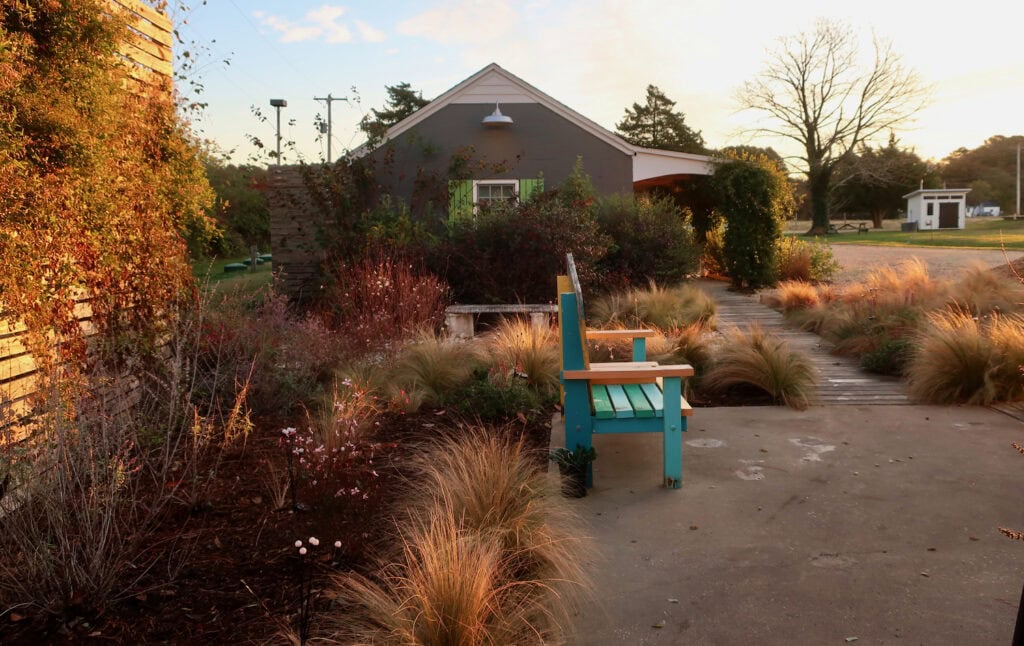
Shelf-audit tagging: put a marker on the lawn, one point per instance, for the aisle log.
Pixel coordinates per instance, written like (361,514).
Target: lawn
(981,233)
(211,272)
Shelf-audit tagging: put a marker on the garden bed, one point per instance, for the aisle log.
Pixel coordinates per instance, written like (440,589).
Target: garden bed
(237,570)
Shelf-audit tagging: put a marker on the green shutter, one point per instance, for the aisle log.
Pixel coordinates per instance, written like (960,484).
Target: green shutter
(530,187)
(460,195)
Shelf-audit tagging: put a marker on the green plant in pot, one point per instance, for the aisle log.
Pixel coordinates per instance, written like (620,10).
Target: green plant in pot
(573,467)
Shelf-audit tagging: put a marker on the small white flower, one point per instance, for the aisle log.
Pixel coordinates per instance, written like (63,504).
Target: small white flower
(314,541)
(337,544)
(298,543)
(302,551)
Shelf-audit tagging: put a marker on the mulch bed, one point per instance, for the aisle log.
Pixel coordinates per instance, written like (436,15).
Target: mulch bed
(237,571)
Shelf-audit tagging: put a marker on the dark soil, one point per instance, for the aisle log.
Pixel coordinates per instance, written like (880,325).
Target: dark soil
(235,568)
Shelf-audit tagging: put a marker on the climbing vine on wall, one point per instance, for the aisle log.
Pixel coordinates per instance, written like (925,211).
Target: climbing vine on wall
(100,183)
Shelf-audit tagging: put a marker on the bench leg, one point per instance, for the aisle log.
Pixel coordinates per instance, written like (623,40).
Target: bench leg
(672,434)
(459,325)
(577,421)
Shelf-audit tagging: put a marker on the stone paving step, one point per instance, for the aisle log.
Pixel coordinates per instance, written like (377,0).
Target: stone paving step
(842,382)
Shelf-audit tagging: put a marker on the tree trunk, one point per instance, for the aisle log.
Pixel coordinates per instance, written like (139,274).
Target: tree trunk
(817,185)
(876,218)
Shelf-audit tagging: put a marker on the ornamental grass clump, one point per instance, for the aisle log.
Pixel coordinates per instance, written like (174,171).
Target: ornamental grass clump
(490,553)
(527,350)
(962,359)
(797,295)
(982,291)
(759,361)
(432,366)
(656,307)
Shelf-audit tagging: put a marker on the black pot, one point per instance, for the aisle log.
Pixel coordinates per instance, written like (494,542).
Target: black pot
(574,479)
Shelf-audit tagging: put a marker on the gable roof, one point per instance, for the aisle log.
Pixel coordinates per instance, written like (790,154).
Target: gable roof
(512,90)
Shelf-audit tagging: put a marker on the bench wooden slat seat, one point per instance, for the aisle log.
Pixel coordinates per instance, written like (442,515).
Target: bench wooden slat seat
(636,396)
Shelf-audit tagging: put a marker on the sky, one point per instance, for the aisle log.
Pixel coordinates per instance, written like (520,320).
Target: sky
(595,56)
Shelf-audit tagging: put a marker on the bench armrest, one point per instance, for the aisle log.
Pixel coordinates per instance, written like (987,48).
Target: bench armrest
(636,372)
(615,335)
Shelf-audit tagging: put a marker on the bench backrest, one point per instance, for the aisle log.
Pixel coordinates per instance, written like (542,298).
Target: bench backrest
(572,328)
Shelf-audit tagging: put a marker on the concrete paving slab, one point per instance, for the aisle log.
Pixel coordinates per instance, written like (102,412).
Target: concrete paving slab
(812,527)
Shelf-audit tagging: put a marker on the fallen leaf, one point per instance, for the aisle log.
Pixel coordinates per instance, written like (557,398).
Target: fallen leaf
(925,574)
(440,412)
(673,600)
(851,639)
(660,624)
(15,617)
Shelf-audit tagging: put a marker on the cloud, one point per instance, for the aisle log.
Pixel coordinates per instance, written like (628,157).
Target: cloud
(368,33)
(463,21)
(323,23)
(289,31)
(326,19)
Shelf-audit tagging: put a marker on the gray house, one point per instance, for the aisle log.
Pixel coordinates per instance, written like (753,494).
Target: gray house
(505,139)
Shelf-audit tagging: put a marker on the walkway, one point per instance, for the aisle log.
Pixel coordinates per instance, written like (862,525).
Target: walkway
(841,380)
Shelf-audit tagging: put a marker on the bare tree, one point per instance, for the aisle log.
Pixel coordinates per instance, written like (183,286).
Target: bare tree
(816,94)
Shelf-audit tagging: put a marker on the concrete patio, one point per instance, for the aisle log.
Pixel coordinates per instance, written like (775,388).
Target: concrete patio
(847,524)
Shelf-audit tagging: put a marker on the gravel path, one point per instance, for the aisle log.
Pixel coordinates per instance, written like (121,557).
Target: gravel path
(858,260)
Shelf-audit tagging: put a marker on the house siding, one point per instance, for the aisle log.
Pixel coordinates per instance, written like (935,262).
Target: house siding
(539,142)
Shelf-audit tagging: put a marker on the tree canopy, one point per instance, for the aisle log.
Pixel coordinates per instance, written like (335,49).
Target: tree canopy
(989,170)
(656,125)
(874,180)
(814,92)
(401,102)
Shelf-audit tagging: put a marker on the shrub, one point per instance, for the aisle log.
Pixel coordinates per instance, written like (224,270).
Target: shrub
(890,358)
(651,241)
(533,237)
(431,367)
(766,363)
(288,359)
(754,196)
(803,260)
(382,297)
(491,554)
(655,307)
(712,259)
(498,396)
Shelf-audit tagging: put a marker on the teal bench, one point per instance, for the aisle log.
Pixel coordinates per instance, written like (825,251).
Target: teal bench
(638,396)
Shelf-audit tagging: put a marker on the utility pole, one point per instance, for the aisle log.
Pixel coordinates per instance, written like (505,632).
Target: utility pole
(1017,212)
(329,99)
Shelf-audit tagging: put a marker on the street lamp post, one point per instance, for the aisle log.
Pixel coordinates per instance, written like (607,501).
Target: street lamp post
(278,104)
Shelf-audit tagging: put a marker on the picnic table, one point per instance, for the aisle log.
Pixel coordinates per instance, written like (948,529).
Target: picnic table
(859,227)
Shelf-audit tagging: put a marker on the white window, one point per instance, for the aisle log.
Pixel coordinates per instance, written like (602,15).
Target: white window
(489,191)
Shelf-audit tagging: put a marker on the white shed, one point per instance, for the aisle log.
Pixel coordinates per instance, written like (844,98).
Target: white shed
(937,208)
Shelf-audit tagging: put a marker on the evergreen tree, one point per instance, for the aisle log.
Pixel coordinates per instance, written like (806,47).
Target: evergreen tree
(402,101)
(656,125)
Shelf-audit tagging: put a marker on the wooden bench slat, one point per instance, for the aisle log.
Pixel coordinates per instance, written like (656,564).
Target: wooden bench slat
(620,401)
(656,398)
(603,408)
(641,407)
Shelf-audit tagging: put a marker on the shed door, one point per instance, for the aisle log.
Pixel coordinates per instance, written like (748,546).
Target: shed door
(949,215)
